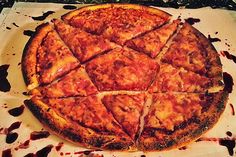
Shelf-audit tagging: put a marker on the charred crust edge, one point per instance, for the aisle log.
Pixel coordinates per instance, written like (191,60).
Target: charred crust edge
(183,136)
(26,52)
(89,139)
(73,13)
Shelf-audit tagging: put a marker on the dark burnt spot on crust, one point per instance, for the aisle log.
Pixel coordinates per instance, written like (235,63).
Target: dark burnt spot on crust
(24,68)
(99,142)
(116,146)
(186,131)
(42,117)
(153,131)
(71,135)
(206,103)
(221,104)
(159,146)
(170,143)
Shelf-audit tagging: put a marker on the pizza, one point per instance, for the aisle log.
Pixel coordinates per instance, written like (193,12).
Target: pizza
(152,42)
(123,77)
(75,83)
(127,110)
(122,69)
(44,54)
(86,122)
(83,45)
(181,80)
(175,119)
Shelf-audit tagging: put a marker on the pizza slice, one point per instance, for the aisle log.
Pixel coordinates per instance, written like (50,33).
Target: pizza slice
(75,83)
(83,120)
(122,69)
(84,45)
(152,42)
(46,57)
(129,23)
(117,22)
(177,79)
(91,19)
(214,65)
(127,110)
(186,51)
(175,119)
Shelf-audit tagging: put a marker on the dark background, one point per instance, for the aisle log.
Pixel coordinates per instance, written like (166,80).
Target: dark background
(226,4)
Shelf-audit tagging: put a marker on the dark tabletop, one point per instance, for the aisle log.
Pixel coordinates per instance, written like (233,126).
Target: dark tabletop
(226,4)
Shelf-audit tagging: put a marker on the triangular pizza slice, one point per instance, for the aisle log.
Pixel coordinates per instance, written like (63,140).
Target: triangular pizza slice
(84,45)
(186,51)
(168,110)
(178,79)
(130,23)
(118,23)
(122,69)
(75,83)
(152,42)
(175,119)
(46,57)
(83,120)
(127,110)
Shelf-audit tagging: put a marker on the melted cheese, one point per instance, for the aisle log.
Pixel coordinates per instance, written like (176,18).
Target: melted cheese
(122,69)
(152,42)
(170,110)
(181,80)
(50,54)
(84,45)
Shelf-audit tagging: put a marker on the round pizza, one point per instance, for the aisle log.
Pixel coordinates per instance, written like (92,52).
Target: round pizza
(123,77)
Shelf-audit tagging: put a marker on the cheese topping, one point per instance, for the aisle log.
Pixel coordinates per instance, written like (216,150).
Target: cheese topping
(170,110)
(54,58)
(122,69)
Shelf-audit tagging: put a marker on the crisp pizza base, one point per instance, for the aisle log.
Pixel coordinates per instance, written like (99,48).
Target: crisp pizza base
(114,70)
(158,12)
(187,131)
(29,59)
(40,66)
(214,64)
(74,132)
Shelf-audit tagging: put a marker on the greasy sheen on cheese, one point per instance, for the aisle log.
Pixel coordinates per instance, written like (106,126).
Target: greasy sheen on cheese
(122,69)
(169,110)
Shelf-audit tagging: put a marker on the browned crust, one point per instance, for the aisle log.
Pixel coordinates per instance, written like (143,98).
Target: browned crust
(89,138)
(155,11)
(29,57)
(74,132)
(187,132)
(214,66)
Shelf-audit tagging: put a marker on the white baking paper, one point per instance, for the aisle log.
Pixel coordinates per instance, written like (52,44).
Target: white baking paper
(12,42)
